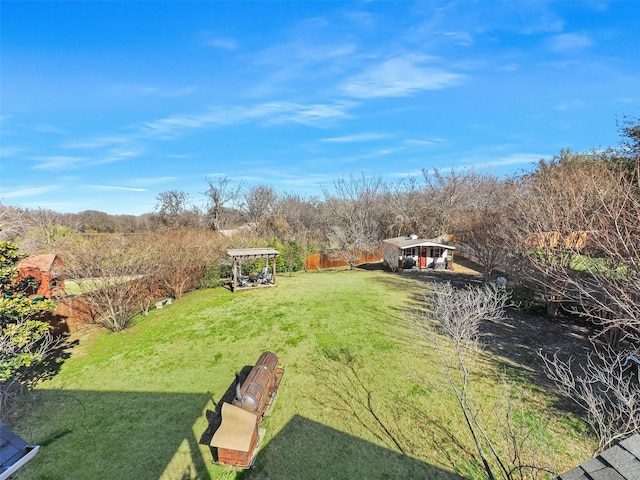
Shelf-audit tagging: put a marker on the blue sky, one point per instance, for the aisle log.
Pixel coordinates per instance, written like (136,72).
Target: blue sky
(106,104)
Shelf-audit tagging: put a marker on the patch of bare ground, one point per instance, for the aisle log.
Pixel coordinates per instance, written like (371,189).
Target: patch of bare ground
(520,337)
(517,340)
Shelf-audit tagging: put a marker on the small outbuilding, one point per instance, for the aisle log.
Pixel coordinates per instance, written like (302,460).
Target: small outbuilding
(46,271)
(413,252)
(265,278)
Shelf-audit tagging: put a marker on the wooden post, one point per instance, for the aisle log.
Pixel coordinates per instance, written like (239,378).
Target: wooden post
(233,275)
(274,270)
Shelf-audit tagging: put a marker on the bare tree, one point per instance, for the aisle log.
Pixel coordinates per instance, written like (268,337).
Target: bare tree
(220,196)
(447,197)
(258,203)
(555,211)
(605,278)
(628,152)
(603,281)
(301,213)
(112,272)
(180,257)
(94,221)
(605,388)
(14,222)
(485,229)
(402,205)
(175,211)
(351,214)
(451,322)
(47,238)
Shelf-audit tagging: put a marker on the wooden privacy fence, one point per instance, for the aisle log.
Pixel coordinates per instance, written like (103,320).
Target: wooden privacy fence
(71,313)
(320,261)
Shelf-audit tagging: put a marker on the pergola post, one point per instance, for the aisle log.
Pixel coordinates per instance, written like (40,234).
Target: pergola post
(274,270)
(234,274)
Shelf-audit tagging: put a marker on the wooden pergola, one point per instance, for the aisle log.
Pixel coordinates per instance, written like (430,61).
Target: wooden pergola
(268,279)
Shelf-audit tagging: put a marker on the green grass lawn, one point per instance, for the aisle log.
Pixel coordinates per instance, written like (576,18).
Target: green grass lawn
(77,287)
(361,397)
(72,288)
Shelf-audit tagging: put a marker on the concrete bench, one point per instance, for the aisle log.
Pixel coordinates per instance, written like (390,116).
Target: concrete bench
(164,301)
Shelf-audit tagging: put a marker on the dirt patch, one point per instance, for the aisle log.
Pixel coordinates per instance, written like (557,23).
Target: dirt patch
(518,340)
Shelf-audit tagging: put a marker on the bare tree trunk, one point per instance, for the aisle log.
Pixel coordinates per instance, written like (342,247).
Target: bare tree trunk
(458,315)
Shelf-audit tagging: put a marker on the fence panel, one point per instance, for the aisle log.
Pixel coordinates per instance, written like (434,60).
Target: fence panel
(320,261)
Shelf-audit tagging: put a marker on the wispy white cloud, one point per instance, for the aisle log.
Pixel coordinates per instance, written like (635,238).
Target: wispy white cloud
(8,152)
(66,162)
(117,188)
(99,141)
(507,160)
(214,39)
(481,162)
(57,162)
(309,114)
(361,18)
(45,128)
(151,90)
(400,77)
(569,42)
(358,137)
(569,105)
(224,43)
(26,192)
(460,38)
(412,142)
(301,65)
(462,24)
(272,112)
(116,155)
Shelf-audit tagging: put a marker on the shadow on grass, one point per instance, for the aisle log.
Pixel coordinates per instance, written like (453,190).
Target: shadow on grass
(115,435)
(53,361)
(307,449)
(515,342)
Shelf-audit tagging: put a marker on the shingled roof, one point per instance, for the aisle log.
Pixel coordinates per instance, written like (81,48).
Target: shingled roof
(14,452)
(620,462)
(413,241)
(44,263)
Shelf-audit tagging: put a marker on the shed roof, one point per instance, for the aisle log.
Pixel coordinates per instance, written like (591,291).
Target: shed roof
(14,452)
(44,263)
(253,253)
(413,241)
(620,462)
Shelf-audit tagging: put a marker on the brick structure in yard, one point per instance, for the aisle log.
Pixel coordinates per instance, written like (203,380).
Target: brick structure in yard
(46,271)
